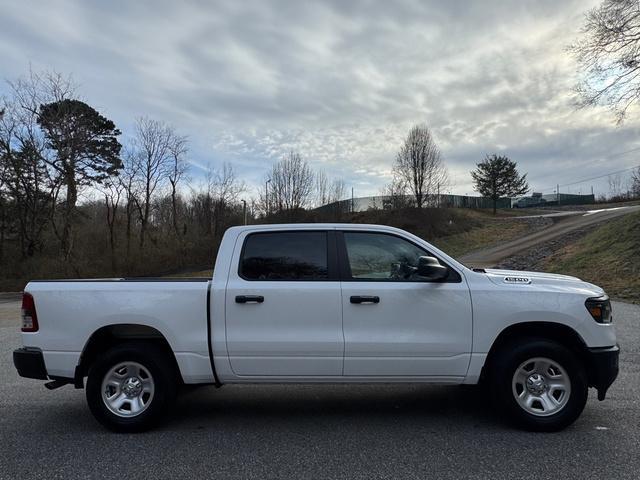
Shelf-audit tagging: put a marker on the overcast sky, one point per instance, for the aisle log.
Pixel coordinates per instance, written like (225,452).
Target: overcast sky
(341,82)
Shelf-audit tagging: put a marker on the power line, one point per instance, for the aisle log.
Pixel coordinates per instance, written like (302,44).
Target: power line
(597,160)
(591,178)
(622,153)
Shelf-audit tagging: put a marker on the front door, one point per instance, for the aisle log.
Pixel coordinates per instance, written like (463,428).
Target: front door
(395,323)
(283,305)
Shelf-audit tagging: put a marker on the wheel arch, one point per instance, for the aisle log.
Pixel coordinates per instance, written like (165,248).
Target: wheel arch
(559,332)
(111,335)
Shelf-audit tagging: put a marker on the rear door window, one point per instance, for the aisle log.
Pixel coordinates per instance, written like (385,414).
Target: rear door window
(285,256)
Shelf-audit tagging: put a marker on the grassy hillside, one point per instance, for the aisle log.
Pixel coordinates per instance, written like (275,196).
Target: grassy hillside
(609,256)
(491,232)
(456,231)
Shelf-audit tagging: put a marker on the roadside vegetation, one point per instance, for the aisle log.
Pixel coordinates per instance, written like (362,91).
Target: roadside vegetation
(609,256)
(492,232)
(455,230)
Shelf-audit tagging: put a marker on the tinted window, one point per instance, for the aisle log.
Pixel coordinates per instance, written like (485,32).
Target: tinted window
(376,256)
(285,256)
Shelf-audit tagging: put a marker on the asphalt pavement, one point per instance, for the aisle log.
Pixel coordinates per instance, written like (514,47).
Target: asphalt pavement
(317,431)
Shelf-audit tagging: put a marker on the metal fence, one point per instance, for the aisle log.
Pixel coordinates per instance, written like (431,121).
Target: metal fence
(553,199)
(381,202)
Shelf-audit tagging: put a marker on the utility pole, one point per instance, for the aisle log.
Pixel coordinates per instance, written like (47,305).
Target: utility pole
(244,210)
(351,199)
(266,196)
(558,193)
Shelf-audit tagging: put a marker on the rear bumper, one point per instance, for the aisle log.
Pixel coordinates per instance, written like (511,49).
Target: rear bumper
(30,363)
(602,368)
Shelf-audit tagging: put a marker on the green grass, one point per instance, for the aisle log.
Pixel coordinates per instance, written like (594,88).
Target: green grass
(493,231)
(609,257)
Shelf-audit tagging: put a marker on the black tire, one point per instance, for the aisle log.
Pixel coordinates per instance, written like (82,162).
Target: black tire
(508,360)
(161,367)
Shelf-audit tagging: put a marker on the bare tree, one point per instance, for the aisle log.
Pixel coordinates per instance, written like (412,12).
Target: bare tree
(3,217)
(221,193)
(32,201)
(225,189)
(179,167)
(635,182)
(395,194)
(291,182)
(154,145)
(608,54)
(327,191)
(112,191)
(28,93)
(337,191)
(5,149)
(321,189)
(419,165)
(29,182)
(615,185)
(224,185)
(128,178)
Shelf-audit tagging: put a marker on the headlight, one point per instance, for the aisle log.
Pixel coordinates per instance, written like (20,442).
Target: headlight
(600,309)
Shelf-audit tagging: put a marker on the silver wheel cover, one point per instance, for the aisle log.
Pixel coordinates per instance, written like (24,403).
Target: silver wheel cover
(127,389)
(541,386)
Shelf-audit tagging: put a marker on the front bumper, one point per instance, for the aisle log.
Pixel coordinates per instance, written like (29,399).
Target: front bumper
(30,363)
(602,365)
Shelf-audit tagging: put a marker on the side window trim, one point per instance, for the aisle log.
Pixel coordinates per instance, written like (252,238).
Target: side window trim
(332,260)
(343,258)
(345,268)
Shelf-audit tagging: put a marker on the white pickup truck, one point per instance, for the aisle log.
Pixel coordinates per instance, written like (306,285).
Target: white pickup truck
(323,303)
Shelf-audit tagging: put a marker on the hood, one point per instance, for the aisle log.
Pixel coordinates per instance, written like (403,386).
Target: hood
(524,278)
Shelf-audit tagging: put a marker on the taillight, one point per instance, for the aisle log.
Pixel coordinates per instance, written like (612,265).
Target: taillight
(29,317)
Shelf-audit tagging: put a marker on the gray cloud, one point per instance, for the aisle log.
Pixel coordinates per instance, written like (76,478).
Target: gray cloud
(339,81)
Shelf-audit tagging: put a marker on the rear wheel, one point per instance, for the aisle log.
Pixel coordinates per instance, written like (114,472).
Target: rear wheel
(131,387)
(540,384)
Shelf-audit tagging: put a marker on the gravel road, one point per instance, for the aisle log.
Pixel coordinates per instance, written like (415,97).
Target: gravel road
(564,223)
(359,432)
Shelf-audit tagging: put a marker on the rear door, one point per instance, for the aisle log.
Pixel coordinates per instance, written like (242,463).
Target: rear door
(283,305)
(397,324)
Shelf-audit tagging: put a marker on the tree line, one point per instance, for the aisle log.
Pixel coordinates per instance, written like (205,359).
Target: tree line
(76,199)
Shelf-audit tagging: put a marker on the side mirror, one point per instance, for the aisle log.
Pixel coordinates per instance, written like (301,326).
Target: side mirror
(430,269)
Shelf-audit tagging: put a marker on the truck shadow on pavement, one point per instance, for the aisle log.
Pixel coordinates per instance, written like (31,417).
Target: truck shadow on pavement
(433,405)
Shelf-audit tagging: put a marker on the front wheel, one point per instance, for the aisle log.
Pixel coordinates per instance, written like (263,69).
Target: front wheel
(131,387)
(540,384)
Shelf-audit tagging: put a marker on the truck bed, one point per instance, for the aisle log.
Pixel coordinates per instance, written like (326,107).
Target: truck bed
(70,311)
(125,279)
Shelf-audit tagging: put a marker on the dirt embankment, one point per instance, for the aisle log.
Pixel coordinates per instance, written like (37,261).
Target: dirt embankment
(535,257)
(606,254)
(564,223)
